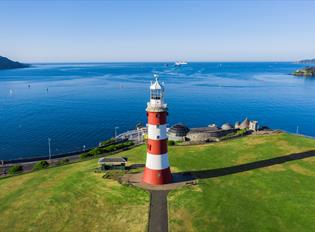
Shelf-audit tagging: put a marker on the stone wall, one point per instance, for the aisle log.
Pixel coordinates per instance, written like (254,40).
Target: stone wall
(207,136)
(173,137)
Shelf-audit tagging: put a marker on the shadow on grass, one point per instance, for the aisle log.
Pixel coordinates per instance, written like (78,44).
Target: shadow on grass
(204,174)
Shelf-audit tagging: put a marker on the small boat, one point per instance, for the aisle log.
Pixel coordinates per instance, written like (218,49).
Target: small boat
(179,63)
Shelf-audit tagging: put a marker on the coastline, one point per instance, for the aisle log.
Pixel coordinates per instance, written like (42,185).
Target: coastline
(74,157)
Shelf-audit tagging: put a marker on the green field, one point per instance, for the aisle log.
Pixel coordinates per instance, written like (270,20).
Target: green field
(71,198)
(275,198)
(74,198)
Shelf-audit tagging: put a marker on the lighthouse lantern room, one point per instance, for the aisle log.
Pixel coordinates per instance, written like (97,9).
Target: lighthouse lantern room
(157,169)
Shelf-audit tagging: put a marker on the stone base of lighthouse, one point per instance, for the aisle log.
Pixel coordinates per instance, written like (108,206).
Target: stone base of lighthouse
(157,177)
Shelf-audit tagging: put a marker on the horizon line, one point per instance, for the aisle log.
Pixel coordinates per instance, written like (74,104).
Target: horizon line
(124,61)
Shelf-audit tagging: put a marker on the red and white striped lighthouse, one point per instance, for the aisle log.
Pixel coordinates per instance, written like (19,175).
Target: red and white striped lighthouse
(157,168)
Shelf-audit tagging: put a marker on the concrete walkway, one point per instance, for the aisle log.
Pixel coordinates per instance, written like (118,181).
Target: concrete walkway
(158,216)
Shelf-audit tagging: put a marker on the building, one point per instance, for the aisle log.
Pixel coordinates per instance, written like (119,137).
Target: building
(237,125)
(113,163)
(178,132)
(250,125)
(157,169)
(253,125)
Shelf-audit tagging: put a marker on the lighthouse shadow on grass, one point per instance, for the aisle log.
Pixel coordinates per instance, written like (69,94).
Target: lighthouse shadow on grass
(211,173)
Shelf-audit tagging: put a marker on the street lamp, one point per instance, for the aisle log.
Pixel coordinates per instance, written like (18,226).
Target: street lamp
(49,150)
(116,127)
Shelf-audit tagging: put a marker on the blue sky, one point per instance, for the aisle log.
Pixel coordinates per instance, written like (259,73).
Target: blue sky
(58,31)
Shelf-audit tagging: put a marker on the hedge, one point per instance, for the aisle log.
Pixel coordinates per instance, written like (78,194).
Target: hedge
(15,169)
(41,165)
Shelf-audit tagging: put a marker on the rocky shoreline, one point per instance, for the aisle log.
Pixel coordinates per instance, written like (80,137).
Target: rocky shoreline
(305,72)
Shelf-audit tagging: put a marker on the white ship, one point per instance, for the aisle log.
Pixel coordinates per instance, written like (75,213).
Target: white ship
(179,63)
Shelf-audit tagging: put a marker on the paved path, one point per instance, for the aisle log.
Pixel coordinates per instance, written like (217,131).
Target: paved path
(158,217)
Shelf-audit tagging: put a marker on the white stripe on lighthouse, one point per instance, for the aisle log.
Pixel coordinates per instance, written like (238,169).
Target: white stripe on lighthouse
(157,162)
(157,132)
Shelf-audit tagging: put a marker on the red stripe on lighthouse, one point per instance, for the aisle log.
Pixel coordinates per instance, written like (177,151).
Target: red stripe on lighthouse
(157,147)
(157,177)
(156,118)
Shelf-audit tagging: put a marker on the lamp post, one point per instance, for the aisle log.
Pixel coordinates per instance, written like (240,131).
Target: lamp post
(116,127)
(49,150)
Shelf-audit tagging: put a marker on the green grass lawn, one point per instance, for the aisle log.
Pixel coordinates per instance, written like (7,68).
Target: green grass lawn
(71,198)
(74,198)
(227,153)
(276,198)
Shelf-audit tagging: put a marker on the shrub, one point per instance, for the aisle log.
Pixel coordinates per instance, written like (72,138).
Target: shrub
(107,149)
(15,169)
(86,155)
(63,161)
(233,134)
(95,151)
(41,165)
(108,142)
(171,142)
(114,174)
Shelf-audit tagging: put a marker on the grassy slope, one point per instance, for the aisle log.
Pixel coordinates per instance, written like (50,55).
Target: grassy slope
(228,153)
(74,198)
(277,198)
(70,198)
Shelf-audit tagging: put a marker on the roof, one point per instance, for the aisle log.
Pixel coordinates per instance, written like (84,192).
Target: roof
(113,160)
(203,129)
(179,128)
(227,126)
(156,84)
(245,123)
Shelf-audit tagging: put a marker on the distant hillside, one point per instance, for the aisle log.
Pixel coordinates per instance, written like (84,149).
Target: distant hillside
(309,61)
(6,63)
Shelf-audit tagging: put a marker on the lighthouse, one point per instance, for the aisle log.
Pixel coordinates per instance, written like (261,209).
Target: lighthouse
(157,168)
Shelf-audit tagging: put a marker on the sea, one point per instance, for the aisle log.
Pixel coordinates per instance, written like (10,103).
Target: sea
(79,105)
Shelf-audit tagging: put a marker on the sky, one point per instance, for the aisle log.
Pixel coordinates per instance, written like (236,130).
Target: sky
(114,31)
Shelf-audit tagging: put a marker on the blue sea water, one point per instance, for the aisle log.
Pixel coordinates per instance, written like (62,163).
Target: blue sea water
(81,104)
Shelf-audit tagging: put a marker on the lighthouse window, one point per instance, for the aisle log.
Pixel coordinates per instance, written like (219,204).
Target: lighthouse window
(158,137)
(156,94)
(149,147)
(157,126)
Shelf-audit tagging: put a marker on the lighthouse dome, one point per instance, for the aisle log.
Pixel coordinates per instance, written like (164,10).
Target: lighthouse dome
(156,85)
